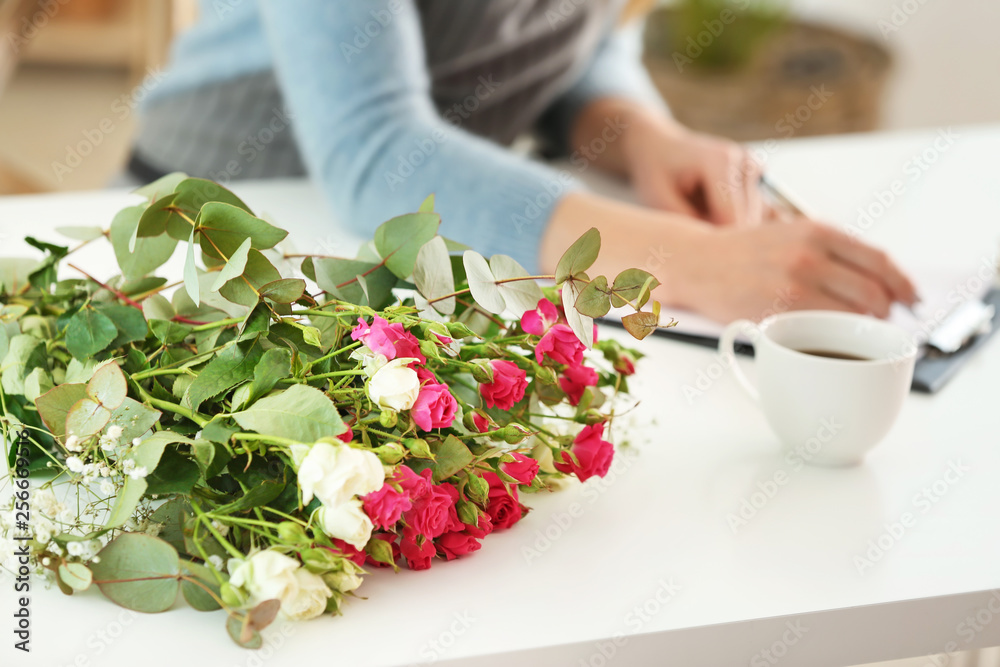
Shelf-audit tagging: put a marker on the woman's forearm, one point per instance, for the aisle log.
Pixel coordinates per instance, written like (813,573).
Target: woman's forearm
(632,237)
(606,132)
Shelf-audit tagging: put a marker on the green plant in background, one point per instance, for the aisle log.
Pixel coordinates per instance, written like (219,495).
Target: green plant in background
(251,445)
(716,35)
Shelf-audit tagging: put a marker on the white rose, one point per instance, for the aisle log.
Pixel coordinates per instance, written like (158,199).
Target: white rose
(269,575)
(371,361)
(266,575)
(310,599)
(395,386)
(337,473)
(347,522)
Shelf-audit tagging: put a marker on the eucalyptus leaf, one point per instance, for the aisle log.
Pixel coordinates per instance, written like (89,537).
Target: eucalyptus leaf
(191,285)
(86,418)
(433,276)
(399,240)
(76,575)
(580,256)
(285,290)
(89,332)
(137,257)
(482,283)
(582,325)
(628,286)
(519,295)
(55,404)
(138,572)
(24,354)
(224,227)
(594,299)
(234,266)
(81,233)
(641,324)
(108,386)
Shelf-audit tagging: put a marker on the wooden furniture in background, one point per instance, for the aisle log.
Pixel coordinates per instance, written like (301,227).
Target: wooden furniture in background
(13,13)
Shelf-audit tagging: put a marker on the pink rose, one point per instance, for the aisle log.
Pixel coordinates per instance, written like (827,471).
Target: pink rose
(385,506)
(561,345)
(540,320)
(455,544)
(431,513)
(575,380)
(435,407)
(625,364)
(593,454)
(507,388)
(390,340)
(502,506)
(484,527)
(523,469)
(416,549)
(346,436)
(482,422)
(413,484)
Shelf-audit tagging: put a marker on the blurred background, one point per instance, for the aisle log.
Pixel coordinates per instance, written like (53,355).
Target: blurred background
(73,71)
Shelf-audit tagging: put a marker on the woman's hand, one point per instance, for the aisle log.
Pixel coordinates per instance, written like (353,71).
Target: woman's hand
(675,169)
(727,273)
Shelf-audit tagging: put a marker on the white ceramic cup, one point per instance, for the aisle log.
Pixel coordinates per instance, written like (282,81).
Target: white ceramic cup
(831,411)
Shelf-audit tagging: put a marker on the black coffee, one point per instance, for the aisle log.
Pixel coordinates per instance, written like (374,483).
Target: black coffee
(834,355)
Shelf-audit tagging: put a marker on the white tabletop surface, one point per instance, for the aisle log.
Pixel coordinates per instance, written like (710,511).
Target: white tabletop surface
(644,567)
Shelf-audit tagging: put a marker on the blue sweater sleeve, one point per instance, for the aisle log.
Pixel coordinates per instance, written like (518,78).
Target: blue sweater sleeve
(354,77)
(616,70)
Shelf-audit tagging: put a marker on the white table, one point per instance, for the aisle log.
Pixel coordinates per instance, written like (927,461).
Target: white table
(643,568)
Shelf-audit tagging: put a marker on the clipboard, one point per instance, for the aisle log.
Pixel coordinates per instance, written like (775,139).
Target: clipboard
(932,370)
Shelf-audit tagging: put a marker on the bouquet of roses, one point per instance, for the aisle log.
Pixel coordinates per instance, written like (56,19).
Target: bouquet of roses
(256,446)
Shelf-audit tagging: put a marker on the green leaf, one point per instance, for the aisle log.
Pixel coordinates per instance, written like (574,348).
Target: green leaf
(339,278)
(450,456)
(161,218)
(224,227)
(285,290)
(301,413)
(157,307)
(399,240)
(148,453)
(37,383)
(234,267)
(81,233)
(14,272)
(169,333)
(191,285)
(137,257)
(126,502)
(428,204)
(629,285)
(519,295)
(258,272)
(89,332)
(55,404)
(582,325)
(24,354)
(175,473)
(108,386)
(134,418)
(482,283)
(162,186)
(274,365)
(194,193)
(129,321)
(138,572)
(433,276)
(44,275)
(641,324)
(76,575)
(195,595)
(594,300)
(230,367)
(86,418)
(580,256)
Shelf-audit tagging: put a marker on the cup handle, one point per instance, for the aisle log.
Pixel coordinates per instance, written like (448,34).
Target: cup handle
(726,350)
